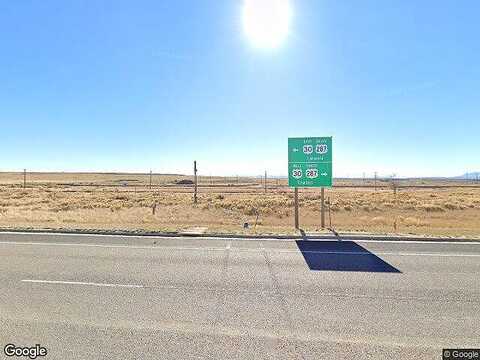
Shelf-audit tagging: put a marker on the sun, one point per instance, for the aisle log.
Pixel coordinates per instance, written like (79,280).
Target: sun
(266,22)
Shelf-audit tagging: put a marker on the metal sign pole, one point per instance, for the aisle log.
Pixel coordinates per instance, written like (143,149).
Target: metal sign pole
(297,226)
(323,207)
(329,212)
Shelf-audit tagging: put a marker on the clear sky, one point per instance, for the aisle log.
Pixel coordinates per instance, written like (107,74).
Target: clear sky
(139,85)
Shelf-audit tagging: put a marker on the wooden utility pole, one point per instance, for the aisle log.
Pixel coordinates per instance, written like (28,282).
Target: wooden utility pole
(265,181)
(323,207)
(150,179)
(24,178)
(375,181)
(195,181)
(297,226)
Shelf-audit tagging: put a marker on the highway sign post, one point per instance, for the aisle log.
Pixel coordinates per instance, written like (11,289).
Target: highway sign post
(310,165)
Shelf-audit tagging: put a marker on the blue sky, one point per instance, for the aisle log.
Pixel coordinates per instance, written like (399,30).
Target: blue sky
(139,85)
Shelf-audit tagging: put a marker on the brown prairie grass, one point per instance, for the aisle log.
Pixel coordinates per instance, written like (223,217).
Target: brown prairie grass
(442,211)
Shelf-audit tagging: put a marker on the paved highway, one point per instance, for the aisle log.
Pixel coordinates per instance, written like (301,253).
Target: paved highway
(107,297)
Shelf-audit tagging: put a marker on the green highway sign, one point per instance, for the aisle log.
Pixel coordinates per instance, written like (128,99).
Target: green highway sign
(310,162)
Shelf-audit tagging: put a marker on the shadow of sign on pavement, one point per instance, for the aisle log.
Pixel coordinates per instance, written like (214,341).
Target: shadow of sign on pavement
(342,256)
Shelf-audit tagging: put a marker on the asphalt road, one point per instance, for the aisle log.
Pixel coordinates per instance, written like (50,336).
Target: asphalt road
(103,297)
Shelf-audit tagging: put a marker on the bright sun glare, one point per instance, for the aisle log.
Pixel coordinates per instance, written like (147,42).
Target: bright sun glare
(266,22)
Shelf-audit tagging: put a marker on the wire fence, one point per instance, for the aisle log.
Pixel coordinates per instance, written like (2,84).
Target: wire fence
(182,183)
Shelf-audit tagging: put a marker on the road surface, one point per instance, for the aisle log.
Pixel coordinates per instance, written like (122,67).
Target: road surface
(107,297)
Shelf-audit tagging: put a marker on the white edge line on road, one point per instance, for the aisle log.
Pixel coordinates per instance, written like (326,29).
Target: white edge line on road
(244,249)
(343,238)
(150,247)
(81,283)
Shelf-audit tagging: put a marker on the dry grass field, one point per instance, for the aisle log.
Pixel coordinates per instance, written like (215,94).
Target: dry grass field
(126,202)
